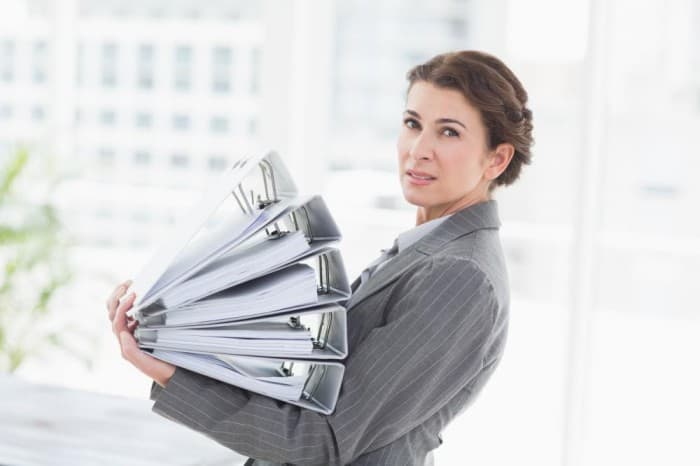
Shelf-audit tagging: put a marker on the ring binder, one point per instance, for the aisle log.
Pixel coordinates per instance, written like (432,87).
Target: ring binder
(231,304)
(252,301)
(325,328)
(318,391)
(320,227)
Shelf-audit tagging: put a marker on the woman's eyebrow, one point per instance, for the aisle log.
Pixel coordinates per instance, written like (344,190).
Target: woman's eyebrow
(412,113)
(450,120)
(440,120)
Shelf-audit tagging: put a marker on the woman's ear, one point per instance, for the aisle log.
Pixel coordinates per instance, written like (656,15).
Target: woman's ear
(499,159)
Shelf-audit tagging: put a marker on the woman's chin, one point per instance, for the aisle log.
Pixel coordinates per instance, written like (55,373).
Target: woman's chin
(415,199)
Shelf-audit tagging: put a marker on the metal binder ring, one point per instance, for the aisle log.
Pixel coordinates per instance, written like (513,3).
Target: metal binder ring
(324,330)
(308,393)
(268,172)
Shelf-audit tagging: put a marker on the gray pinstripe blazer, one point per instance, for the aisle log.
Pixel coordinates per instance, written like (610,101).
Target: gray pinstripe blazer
(425,333)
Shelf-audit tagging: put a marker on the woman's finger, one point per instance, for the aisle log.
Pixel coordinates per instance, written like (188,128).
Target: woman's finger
(113,300)
(131,325)
(118,292)
(119,321)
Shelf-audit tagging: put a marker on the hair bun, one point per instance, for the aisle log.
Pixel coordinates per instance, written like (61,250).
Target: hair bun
(516,116)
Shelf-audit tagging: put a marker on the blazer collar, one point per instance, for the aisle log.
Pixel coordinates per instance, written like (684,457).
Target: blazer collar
(472,218)
(476,217)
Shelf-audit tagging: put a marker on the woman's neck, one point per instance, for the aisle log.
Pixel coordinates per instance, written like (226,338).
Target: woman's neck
(426,214)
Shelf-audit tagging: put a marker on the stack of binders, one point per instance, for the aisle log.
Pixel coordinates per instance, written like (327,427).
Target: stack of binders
(248,289)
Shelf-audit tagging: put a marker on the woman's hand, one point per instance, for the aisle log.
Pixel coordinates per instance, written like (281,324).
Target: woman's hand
(123,329)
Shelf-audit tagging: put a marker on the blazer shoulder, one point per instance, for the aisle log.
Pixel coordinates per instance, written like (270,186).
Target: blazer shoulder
(483,250)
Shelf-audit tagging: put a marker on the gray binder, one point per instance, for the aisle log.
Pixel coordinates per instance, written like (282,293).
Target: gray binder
(192,246)
(331,287)
(322,334)
(309,217)
(248,289)
(317,389)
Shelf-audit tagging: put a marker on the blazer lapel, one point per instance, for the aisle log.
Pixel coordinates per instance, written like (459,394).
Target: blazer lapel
(390,272)
(463,222)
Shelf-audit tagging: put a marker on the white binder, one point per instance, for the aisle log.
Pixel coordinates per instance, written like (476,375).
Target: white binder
(315,333)
(306,230)
(313,385)
(192,246)
(314,281)
(248,289)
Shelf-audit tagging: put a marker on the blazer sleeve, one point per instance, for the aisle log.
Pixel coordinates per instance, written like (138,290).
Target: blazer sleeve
(439,327)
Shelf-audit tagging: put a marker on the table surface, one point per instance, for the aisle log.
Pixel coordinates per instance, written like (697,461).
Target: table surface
(46,425)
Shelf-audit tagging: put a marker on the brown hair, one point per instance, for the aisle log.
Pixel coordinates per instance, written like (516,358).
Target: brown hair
(489,85)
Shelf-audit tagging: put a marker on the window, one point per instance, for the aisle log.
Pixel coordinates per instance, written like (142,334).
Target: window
(141,216)
(181,122)
(219,124)
(143,120)
(179,160)
(142,157)
(252,127)
(157,13)
(109,65)
(183,68)
(255,71)
(145,67)
(106,156)
(217,163)
(80,65)
(108,118)
(122,12)
(457,27)
(40,62)
(38,113)
(7,61)
(222,59)
(6,112)
(103,213)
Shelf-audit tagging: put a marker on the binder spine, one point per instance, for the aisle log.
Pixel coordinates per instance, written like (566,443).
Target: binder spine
(322,369)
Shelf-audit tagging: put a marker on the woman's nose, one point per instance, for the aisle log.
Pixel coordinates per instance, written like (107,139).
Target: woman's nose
(423,147)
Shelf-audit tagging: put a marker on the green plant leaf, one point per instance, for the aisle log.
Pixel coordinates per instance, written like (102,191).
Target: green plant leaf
(33,250)
(16,357)
(10,173)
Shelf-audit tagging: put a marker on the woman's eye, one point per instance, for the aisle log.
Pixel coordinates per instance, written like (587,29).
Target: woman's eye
(449,132)
(411,123)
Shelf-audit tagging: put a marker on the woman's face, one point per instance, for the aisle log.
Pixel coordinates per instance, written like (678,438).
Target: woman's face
(442,149)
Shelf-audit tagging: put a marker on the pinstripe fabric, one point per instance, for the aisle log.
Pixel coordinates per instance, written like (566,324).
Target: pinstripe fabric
(425,334)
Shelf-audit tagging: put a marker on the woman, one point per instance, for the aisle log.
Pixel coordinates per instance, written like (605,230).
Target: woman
(427,321)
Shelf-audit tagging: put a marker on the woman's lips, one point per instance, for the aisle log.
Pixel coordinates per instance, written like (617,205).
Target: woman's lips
(419,178)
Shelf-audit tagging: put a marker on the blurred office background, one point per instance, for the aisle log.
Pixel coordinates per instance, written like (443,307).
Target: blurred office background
(134,105)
